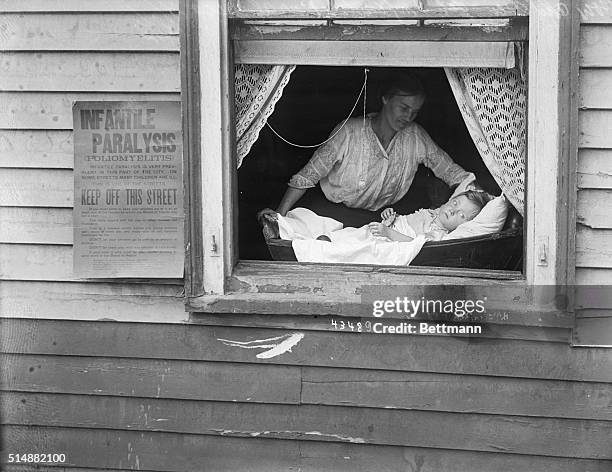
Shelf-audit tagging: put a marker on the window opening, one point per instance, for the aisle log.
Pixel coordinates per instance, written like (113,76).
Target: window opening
(314,101)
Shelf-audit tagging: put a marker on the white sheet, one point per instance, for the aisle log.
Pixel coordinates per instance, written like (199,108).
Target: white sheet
(349,245)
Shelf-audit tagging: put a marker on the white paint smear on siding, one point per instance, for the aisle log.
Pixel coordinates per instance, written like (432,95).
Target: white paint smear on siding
(275,346)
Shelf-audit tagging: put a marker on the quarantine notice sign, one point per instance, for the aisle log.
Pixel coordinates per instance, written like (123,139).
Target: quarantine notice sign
(128,190)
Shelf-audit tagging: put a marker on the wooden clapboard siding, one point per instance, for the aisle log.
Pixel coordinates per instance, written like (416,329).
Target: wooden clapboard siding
(506,358)
(596,46)
(594,171)
(36,187)
(79,6)
(90,32)
(146,378)
(162,451)
(219,381)
(593,331)
(593,276)
(38,262)
(53,110)
(36,225)
(90,71)
(595,12)
(593,248)
(145,302)
(488,433)
(595,92)
(594,209)
(595,128)
(36,148)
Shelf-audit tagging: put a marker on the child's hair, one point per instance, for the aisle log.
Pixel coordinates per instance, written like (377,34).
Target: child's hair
(480,199)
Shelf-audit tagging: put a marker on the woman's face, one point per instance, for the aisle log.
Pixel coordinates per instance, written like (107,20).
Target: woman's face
(401,110)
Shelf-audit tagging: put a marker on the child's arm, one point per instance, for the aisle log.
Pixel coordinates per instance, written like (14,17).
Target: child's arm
(379,229)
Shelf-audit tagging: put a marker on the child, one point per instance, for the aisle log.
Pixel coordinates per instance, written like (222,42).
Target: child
(434,224)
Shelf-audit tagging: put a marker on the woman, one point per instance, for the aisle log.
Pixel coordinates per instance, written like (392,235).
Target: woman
(369,163)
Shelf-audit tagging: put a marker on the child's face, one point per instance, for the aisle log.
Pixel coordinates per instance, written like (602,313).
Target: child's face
(456,211)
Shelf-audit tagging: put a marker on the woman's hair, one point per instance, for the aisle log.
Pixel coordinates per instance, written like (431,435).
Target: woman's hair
(479,198)
(404,83)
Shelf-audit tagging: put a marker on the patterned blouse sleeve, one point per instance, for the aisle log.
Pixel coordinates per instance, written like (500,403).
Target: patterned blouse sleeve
(441,163)
(322,161)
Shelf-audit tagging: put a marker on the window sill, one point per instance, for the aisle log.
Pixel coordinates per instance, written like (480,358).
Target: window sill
(286,288)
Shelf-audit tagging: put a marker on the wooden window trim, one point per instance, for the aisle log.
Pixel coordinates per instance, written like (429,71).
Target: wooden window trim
(232,286)
(514,9)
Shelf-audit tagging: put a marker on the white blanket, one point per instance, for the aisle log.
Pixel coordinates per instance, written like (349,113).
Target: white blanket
(349,245)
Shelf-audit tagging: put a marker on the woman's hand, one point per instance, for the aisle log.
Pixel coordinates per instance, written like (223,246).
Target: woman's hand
(379,230)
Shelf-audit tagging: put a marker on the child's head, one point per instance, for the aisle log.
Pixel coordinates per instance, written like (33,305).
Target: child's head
(461,208)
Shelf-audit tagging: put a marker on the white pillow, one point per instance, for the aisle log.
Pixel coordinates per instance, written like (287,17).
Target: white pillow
(490,220)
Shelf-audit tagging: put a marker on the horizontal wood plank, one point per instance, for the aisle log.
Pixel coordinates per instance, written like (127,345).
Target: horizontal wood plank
(39,262)
(90,32)
(593,248)
(90,72)
(389,9)
(36,187)
(376,53)
(365,32)
(594,90)
(53,110)
(323,323)
(36,148)
(593,276)
(594,129)
(119,301)
(595,169)
(593,332)
(316,348)
(36,262)
(595,46)
(593,296)
(459,394)
(78,6)
(318,386)
(586,439)
(593,209)
(152,379)
(171,452)
(36,225)
(595,11)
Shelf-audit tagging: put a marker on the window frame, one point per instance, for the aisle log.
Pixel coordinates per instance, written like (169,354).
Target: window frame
(229,285)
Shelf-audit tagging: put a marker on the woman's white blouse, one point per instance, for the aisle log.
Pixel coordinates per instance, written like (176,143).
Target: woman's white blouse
(353,168)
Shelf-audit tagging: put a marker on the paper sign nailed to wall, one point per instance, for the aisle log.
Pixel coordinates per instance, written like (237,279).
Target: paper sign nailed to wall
(128,189)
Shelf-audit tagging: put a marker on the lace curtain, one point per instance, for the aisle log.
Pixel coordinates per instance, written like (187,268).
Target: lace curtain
(493,103)
(257,89)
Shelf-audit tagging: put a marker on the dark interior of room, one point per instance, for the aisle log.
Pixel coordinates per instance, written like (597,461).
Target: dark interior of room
(314,101)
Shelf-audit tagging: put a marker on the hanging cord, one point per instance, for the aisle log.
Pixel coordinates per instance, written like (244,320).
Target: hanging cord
(361,92)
